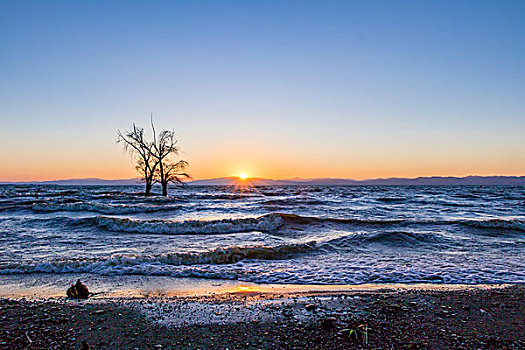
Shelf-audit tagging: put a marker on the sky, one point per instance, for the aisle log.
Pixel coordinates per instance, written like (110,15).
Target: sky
(274,89)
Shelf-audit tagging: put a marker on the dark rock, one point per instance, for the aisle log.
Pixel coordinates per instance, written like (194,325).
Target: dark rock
(309,307)
(84,346)
(78,291)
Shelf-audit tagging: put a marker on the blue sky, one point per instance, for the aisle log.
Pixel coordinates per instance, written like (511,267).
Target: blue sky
(272,88)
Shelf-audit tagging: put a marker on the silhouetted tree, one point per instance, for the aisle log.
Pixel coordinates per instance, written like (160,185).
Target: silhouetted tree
(172,171)
(134,142)
(156,160)
(166,152)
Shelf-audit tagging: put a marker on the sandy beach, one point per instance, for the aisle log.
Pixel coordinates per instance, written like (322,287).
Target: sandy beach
(237,316)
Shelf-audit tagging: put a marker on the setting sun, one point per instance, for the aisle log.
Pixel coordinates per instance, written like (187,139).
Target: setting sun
(243,176)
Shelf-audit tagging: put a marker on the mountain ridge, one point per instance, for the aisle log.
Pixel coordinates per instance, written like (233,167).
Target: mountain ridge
(231,181)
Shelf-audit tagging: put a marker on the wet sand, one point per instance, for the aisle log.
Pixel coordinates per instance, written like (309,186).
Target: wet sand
(46,286)
(245,317)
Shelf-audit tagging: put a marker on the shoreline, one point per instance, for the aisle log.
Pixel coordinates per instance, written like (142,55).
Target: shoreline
(50,286)
(267,317)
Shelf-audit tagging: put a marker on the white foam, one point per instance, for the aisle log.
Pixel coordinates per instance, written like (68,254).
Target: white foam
(263,223)
(102,208)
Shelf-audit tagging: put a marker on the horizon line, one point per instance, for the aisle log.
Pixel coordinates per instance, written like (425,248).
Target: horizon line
(269,179)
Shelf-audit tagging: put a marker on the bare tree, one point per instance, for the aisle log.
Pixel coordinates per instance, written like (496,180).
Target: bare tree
(155,160)
(134,142)
(166,151)
(172,172)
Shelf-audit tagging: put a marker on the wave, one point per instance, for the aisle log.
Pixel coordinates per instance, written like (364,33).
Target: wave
(391,199)
(381,239)
(264,223)
(225,196)
(514,224)
(507,224)
(467,196)
(19,204)
(275,221)
(134,263)
(403,238)
(284,202)
(102,208)
(304,220)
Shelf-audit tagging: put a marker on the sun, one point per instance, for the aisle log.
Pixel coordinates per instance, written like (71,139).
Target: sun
(243,183)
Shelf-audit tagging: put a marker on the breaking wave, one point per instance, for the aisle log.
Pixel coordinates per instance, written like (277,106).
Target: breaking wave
(507,224)
(272,222)
(264,223)
(101,208)
(133,263)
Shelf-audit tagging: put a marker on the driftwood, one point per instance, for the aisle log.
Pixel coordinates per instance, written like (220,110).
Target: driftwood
(78,291)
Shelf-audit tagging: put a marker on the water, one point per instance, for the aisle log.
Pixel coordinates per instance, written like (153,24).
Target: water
(295,234)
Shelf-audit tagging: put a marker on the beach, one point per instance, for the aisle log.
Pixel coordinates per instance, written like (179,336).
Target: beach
(255,317)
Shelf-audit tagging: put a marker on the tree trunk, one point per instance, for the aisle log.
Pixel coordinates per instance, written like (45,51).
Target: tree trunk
(165,188)
(148,189)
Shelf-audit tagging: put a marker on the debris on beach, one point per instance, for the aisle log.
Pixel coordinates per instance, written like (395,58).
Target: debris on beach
(309,307)
(78,291)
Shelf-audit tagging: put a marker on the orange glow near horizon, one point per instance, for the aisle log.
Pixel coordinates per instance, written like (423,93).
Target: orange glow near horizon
(124,170)
(67,162)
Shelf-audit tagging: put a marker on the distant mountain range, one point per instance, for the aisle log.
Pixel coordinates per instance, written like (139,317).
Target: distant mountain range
(229,181)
